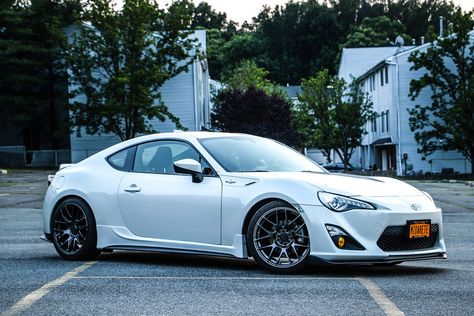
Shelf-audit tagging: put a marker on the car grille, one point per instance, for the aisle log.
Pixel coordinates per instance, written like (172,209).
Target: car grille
(395,238)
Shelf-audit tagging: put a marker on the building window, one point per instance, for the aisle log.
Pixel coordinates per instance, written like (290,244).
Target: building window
(374,123)
(386,120)
(382,116)
(386,74)
(381,77)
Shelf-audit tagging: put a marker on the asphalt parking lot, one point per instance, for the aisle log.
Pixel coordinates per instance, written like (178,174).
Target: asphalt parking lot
(35,281)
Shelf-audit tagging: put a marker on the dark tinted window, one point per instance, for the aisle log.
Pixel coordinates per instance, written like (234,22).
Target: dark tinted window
(121,159)
(159,156)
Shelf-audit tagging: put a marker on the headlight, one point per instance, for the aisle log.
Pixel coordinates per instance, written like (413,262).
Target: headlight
(341,203)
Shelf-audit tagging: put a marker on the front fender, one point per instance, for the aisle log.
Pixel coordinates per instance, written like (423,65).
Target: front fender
(238,201)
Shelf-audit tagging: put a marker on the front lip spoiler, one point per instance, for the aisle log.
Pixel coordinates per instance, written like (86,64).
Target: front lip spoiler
(314,260)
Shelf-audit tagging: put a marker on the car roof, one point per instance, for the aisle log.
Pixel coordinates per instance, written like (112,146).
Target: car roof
(179,135)
(185,135)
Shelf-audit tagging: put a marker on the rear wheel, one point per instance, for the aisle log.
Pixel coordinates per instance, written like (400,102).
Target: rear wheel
(74,231)
(278,238)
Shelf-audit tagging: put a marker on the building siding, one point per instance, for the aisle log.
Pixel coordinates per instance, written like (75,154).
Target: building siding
(186,96)
(394,97)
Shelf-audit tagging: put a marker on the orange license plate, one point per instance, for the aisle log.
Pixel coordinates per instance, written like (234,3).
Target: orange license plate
(419,230)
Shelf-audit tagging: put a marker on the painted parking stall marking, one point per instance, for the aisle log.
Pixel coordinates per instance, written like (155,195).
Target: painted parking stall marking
(379,297)
(34,296)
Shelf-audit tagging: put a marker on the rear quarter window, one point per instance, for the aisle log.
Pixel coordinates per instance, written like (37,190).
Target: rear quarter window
(123,159)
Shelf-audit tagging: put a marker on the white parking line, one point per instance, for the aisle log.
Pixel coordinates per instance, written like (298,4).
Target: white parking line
(34,296)
(210,278)
(379,297)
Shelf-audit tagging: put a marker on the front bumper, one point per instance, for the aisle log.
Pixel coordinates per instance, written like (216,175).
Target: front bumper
(366,227)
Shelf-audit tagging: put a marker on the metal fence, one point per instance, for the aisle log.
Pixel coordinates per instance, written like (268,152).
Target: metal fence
(18,157)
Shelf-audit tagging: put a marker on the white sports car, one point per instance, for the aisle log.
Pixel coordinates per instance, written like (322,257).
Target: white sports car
(235,195)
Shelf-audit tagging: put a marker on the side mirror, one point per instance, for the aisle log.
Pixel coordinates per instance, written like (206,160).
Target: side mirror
(189,166)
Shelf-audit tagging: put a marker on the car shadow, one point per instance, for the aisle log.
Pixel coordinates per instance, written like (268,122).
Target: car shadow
(250,268)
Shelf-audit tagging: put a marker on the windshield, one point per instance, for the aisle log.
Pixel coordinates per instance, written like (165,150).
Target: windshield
(255,154)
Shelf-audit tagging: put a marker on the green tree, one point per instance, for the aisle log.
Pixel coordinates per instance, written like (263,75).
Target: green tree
(250,103)
(243,46)
(448,122)
(298,40)
(120,61)
(418,15)
(219,30)
(255,112)
(206,17)
(332,115)
(33,83)
(378,31)
(247,75)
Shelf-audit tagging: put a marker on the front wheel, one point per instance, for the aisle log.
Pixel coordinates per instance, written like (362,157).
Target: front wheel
(74,230)
(278,238)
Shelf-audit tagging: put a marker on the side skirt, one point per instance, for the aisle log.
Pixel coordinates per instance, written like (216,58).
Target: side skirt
(170,250)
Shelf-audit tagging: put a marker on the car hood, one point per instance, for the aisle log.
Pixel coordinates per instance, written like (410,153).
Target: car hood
(345,184)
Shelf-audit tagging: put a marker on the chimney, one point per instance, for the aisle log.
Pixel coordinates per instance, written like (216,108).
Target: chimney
(441,20)
(422,40)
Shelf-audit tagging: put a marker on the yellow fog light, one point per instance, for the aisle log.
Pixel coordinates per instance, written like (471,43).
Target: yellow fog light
(341,242)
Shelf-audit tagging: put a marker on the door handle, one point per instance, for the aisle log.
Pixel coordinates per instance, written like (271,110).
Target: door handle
(132,189)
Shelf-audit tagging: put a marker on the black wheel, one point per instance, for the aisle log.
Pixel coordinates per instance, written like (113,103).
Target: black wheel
(278,239)
(74,230)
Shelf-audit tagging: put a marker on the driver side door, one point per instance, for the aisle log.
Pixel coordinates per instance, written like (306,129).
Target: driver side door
(156,202)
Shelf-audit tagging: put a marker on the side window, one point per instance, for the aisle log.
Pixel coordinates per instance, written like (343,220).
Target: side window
(122,159)
(159,156)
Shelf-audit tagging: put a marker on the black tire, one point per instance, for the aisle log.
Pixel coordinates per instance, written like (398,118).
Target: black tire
(73,230)
(278,239)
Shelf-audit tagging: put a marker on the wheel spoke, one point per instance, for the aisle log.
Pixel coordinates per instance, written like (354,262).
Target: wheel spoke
(300,245)
(299,227)
(264,237)
(80,234)
(271,252)
(68,213)
(64,217)
(265,247)
(265,218)
(295,252)
(294,220)
(266,230)
(302,236)
(281,255)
